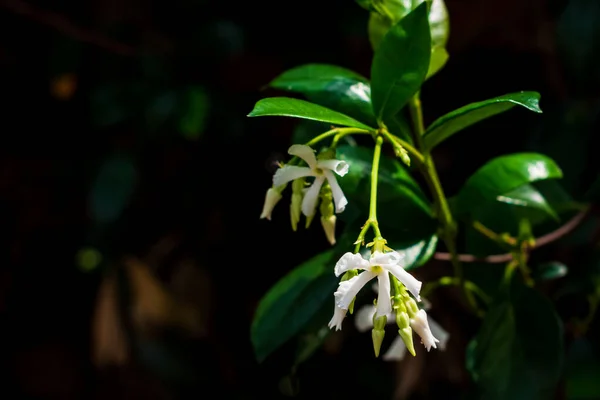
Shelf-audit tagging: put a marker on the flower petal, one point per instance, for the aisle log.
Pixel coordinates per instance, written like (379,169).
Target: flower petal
(337,319)
(438,332)
(420,324)
(347,290)
(339,199)
(349,261)
(289,173)
(384,259)
(311,197)
(412,284)
(396,351)
(384,301)
(304,152)
(338,166)
(271,199)
(363,320)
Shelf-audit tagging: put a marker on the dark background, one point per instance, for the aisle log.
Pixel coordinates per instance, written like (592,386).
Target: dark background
(124,130)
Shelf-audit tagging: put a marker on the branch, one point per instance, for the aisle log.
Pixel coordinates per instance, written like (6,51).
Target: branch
(63,25)
(539,242)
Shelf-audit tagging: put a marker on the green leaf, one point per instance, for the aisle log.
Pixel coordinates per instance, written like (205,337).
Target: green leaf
(400,63)
(112,188)
(406,210)
(439,57)
(527,196)
(518,352)
(288,107)
(196,115)
(334,87)
(415,254)
(459,119)
(380,24)
(550,270)
(502,175)
(291,303)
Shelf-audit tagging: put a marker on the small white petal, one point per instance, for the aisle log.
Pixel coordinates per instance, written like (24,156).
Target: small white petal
(383,259)
(339,167)
(438,332)
(271,199)
(412,284)
(420,325)
(384,301)
(311,197)
(363,319)
(347,290)
(304,152)
(289,173)
(337,319)
(339,199)
(396,351)
(349,261)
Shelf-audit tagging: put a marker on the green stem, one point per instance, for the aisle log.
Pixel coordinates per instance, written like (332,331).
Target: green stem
(414,153)
(337,134)
(372,221)
(444,214)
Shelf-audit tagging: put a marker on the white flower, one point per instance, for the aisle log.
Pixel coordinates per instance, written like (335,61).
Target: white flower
(271,199)
(364,321)
(420,325)
(338,316)
(320,170)
(377,266)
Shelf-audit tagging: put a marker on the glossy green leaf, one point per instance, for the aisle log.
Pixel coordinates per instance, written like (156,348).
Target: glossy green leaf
(527,196)
(503,174)
(380,23)
(404,209)
(459,119)
(550,270)
(291,303)
(439,57)
(400,63)
(334,87)
(415,254)
(288,107)
(518,351)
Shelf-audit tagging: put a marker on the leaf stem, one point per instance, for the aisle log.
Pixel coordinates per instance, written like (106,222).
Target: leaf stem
(444,215)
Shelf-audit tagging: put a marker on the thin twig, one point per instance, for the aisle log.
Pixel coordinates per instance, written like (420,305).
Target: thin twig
(539,242)
(63,25)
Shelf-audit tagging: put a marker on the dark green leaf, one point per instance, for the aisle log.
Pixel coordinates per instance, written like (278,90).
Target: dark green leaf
(459,119)
(527,196)
(401,63)
(196,113)
(112,188)
(551,270)
(404,209)
(583,370)
(288,107)
(291,303)
(503,174)
(518,352)
(334,87)
(415,254)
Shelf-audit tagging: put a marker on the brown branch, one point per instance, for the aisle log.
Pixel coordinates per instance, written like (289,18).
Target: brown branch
(63,25)
(539,242)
